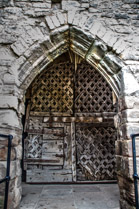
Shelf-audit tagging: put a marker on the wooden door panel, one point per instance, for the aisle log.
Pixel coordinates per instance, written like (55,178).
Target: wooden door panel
(51,137)
(33,146)
(48,152)
(49,175)
(53,158)
(95,152)
(54,130)
(52,146)
(53,150)
(58,150)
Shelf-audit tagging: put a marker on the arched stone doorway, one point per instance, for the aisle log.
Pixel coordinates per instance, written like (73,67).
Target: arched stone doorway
(70,124)
(36,43)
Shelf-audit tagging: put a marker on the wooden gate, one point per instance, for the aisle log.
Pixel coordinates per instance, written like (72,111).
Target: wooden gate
(69,120)
(95,141)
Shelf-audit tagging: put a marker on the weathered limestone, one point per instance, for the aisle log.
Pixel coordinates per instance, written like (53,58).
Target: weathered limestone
(34,33)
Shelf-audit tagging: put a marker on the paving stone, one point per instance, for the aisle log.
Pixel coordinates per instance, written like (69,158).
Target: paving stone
(70,196)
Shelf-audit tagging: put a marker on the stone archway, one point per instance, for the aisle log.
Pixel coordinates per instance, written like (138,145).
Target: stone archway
(100,55)
(94,44)
(70,124)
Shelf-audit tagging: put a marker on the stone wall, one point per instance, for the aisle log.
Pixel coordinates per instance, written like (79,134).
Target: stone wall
(34,33)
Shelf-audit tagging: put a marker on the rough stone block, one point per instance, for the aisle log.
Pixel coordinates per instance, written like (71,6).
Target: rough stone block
(78,48)
(125,204)
(6,56)
(61,18)
(80,37)
(49,22)
(131,53)
(114,63)
(42,5)
(17,135)
(125,167)
(94,10)
(10,79)
(39,12)
(127,129)
(120,45)
(35,33)
(71,15)
(18,167)
(88,23)
(3,166)
(34,53)
(29,12)
(19,47)
(110,38)
(4,151)
(55,21)
(85,5)
(70,5)
(59,49)
(130,115)
(97,51)
(124,147)
(9,102)
(95,28)
(59,35)
(101,32)
(76,19)
(126,192)
(18,63)
(24,70)
(14,194)
(82,20)
(18,151)
(47,43)
(9,118)
(130,85)
(7,38)
(128,102)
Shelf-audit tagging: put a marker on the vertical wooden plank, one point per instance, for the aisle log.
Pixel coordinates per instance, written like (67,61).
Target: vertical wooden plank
(67,147)
(73,151)
(27,117)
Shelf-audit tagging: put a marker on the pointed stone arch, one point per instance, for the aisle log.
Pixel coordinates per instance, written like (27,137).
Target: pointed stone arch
(99,47)
(84,44)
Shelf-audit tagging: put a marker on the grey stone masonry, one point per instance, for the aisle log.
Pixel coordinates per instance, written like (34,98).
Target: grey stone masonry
(104,33)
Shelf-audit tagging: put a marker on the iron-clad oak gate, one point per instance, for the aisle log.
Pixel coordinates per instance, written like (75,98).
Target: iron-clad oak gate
(69,120)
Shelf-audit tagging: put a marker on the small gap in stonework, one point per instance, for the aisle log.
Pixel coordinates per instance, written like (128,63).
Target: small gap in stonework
(56,4)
